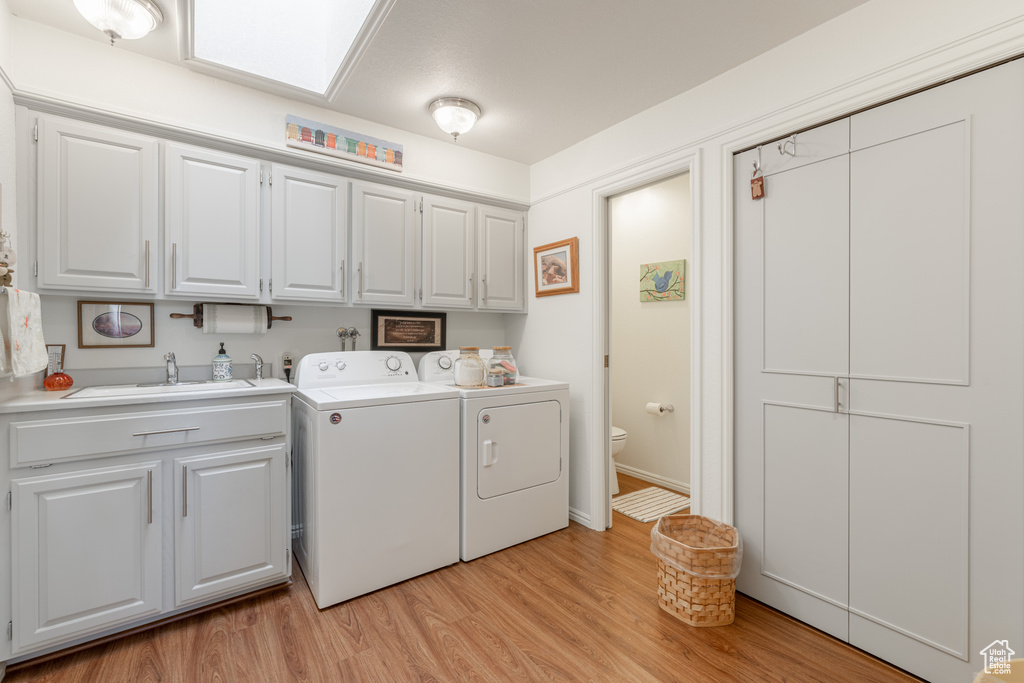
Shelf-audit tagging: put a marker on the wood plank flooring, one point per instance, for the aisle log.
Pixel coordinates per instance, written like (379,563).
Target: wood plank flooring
(576,605)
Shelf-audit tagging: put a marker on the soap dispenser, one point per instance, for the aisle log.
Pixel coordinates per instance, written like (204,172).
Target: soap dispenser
(222,366)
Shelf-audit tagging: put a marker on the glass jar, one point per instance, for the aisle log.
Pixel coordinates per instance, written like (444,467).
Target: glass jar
(469,367)
(57,381)
(503,365)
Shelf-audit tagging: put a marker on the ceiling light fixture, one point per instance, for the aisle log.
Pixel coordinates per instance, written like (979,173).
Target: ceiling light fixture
(454,115)
(127,19)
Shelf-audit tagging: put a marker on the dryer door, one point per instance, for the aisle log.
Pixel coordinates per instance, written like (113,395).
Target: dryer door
(517,447)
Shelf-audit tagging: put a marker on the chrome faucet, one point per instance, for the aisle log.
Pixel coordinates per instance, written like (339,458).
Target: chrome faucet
(172,368)
(259,365)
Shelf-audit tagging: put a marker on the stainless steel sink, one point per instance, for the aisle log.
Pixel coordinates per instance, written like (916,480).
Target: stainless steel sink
(114,391)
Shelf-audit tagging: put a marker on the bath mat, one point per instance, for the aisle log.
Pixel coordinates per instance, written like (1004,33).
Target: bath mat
(647,505)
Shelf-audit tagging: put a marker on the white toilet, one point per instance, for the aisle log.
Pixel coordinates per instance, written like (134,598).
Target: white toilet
(618,443)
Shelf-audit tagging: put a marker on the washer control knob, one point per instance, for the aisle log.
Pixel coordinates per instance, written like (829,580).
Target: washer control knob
(394,364)
(340,365)
(444,362)
(323,365)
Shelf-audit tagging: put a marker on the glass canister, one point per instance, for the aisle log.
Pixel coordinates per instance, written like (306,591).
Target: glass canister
(503,365)
(469,367)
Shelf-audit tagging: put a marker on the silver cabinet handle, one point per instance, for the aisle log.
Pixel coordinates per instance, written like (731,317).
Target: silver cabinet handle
(184,490)
(149,494)
(166,431)
(342,279)
(360,279)
(174,265)
(837,394)
(485,288)
(472,288)
(147,264)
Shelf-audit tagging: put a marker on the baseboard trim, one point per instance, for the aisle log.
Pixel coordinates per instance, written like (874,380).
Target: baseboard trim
(682,487)
(579,517)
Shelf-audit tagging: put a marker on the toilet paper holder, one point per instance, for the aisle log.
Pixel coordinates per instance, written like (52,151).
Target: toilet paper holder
(660,408)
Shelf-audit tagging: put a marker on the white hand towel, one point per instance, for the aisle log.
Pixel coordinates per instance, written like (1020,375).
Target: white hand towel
(22,324)
(234,319)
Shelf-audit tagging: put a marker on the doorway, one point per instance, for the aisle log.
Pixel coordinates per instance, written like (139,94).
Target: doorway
(649,333)
(684,161)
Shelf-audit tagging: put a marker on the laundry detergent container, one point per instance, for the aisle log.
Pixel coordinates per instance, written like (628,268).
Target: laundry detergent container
(698,562)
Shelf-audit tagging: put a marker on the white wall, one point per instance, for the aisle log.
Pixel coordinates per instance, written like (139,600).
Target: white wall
(67,67)
(650,341)
(878,50)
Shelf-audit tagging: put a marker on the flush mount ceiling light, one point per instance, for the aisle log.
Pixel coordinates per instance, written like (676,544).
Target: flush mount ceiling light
(454,115)
(127,19)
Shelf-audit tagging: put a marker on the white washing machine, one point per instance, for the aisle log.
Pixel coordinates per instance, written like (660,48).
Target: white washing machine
(515,458)
(376,472)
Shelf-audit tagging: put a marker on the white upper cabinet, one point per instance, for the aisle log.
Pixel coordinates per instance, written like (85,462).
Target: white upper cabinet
(449,253)
(98,208)
(383,244)
(309,235)
(212,223)
(500,257)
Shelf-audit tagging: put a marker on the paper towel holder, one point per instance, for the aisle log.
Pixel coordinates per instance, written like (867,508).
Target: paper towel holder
(197,315)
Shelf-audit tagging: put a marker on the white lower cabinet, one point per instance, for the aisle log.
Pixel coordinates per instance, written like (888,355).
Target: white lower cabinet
(88,551)
(231,522)
(167,510)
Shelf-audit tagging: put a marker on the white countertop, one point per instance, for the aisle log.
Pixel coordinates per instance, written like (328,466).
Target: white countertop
(52,400)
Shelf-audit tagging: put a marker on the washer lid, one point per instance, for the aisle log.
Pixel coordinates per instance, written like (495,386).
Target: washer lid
(367,395)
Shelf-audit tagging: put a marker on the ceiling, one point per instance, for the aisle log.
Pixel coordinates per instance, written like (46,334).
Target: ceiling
(546,73)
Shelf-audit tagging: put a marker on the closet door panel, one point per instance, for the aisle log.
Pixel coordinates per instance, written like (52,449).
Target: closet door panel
(910,258)
(805,500)
(909,528)
(806,270)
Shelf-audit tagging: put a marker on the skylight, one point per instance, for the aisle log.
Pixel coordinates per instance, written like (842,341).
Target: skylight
(302,43)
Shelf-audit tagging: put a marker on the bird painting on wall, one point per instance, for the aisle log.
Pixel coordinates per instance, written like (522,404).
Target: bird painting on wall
(663,281)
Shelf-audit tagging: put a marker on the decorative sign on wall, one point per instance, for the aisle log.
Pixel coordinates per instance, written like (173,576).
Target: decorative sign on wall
(341,143)
(663,281)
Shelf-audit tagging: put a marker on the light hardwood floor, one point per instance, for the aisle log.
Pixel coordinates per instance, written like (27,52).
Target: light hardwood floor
(576,605)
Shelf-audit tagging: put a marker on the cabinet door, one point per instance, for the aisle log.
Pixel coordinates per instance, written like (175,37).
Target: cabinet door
(310,235)
(383,244)
(500,260)
(98,208)
(212,227)
(232,525)
(449,253)
(87,552)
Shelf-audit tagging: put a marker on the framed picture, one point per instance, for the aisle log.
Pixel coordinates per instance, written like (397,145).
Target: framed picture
(556,267)
(54,358)
(114,325)
(408,331)
(663,281)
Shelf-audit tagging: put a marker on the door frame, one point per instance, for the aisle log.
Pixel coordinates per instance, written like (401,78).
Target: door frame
(634,177)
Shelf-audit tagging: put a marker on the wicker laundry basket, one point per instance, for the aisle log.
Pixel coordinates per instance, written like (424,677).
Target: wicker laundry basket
(698,561)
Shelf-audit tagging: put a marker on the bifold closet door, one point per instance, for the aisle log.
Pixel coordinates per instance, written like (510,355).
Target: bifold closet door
(791,355)
(936,369)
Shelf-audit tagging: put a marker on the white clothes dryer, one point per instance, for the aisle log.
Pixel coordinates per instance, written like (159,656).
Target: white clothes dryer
(376,473)
(514,483)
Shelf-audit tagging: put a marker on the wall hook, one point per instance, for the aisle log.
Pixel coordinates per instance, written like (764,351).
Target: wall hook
(757,163)
(784,146)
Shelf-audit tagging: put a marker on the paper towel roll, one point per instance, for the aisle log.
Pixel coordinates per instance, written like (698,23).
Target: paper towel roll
(654,408)
(234,319)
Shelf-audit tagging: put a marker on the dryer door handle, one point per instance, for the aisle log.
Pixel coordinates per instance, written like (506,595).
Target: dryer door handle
(490,453)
